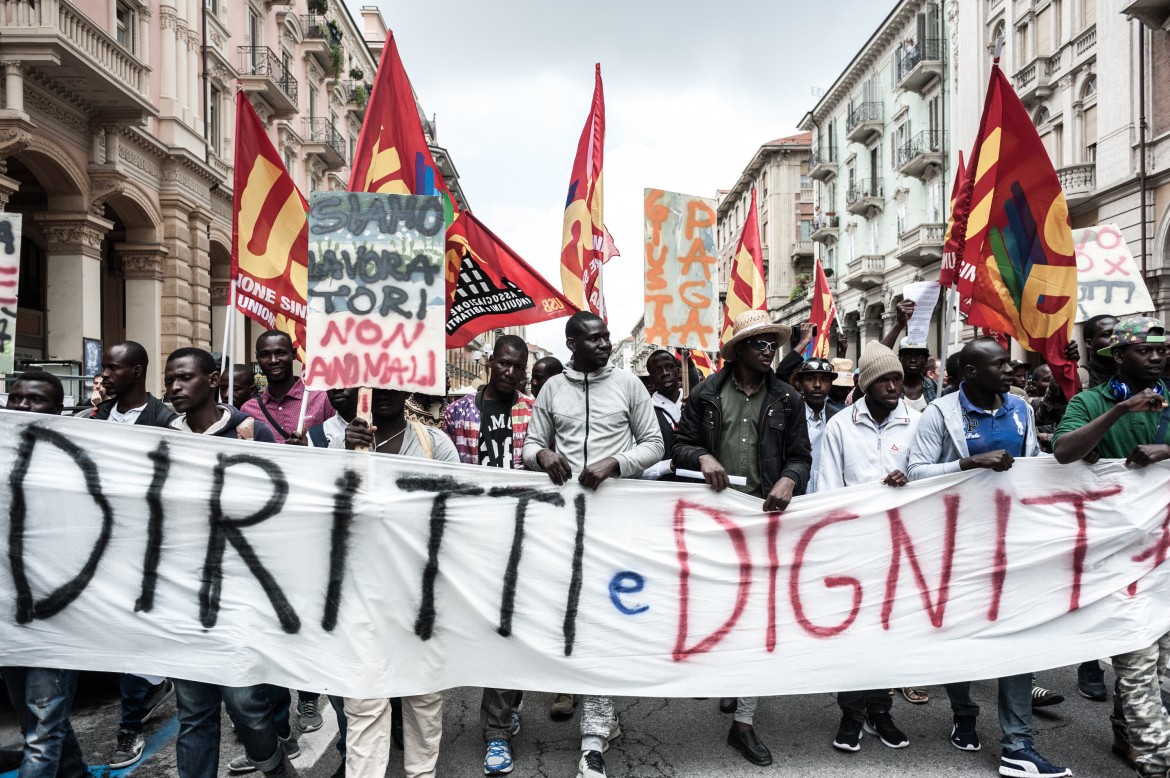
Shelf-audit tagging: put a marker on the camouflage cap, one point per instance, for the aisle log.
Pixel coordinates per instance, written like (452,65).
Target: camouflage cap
(1132,330)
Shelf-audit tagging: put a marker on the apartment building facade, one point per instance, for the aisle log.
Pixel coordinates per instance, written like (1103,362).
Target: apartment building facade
(116,140)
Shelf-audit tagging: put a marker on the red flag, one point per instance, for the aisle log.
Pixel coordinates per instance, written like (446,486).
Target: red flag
(270,233)
(585,242)
(824,312)
(1018,236)
(956,228)
(702,360)
(494,287)
(745,286)
(392,155)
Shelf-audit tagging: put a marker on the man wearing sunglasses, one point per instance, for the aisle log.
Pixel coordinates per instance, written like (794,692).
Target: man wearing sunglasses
(744,421)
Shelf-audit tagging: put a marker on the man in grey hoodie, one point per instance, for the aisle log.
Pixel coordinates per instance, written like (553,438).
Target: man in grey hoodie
(603,424)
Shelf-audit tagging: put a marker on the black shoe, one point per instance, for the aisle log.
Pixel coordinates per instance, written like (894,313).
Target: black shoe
(1042,698)
(963,734)
(340,771)
(746,742)
(848,735)
(1091,682)
(727,704)
(1122,748)
(882,725)
(156,697)
(10,760)
(396,723)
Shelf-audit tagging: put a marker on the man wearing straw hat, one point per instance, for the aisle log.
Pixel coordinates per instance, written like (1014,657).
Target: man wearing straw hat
(744,421)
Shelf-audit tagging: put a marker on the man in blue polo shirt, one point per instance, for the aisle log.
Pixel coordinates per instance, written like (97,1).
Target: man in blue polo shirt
(983,426)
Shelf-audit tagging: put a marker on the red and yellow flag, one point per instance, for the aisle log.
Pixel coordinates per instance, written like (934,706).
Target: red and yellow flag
(702,360)
(270,233)
(585,242)
(956,227)
(392,155)
(824,312)
(1018,235)
(746,290)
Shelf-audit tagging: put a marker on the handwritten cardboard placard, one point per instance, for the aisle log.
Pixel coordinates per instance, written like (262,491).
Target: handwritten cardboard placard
(682,293)
(1108,279)
(376,289)
(369,575)
(9,284)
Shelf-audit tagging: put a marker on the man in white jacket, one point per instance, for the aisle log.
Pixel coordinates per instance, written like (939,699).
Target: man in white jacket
(869,441)
(592,411)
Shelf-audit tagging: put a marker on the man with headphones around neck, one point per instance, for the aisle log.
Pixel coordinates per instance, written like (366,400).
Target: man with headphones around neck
(1127,418)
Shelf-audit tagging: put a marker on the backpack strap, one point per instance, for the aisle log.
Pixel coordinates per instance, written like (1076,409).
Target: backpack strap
(246,429)
(424,438)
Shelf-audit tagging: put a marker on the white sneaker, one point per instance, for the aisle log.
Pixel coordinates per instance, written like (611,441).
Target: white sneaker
(591,765)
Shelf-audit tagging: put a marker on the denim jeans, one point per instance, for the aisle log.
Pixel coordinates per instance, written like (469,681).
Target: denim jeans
(338,704)
(1015,707)
(858,705)
(281,700)
(250,708)
(43,699)
(134,689)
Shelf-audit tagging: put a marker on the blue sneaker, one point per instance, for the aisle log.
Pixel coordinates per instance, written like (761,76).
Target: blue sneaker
(498,759)
(1026,763)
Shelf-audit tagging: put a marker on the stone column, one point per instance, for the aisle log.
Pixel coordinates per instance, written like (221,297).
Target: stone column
(14,86)
(8,187)
(73,298)
(168,23)
(142,267)
(199,243)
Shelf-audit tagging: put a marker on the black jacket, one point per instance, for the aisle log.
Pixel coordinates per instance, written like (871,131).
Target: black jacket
(155,414)
(783,431)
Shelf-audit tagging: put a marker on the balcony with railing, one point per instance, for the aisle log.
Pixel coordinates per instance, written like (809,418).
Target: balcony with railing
(802,248)
(1154,14)
(865,195)
(320,39)
(824,228)
(865,272)
(864,121)
(1078,181)
(66,50)
(1034,81)
(822,163)
(321,139)
(921,245)
(922,153)
(920,64)
(262,72)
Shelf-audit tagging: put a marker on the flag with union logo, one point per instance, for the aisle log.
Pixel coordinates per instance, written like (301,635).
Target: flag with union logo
(488,284)
(956,227)
(824,312)
(1018,235)
(496,288)
(270,233)
(746,290)
(585,242)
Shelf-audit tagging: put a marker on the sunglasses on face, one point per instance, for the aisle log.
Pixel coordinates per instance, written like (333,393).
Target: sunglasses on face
(763,345)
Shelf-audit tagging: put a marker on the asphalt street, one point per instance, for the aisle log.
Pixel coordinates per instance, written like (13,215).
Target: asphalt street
(678,737)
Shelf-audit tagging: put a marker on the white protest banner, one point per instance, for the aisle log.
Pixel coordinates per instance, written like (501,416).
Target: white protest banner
(376,292)
(9,284)
(682,294)
(925,297)
(236,562)
(1108,279)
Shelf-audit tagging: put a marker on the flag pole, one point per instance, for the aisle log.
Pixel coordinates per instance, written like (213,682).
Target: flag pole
(229,341)
(304,411)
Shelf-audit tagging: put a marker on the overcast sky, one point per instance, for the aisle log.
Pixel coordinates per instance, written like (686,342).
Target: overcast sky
(692,89)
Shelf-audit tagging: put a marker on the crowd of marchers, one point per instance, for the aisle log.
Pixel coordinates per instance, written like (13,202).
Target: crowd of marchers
(803,426)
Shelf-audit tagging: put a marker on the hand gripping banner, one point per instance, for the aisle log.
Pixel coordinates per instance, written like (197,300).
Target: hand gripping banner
(368,575)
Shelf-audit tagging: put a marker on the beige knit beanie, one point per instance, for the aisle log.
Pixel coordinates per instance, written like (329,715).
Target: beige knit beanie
(876,362)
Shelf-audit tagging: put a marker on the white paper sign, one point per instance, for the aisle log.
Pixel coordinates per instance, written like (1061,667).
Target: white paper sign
(1108,279)
(369,575)
(925,297)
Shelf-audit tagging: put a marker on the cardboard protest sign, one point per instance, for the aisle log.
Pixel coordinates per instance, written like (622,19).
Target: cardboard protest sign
(1108,279)
(376,289)
(370,575)
(682,292)
(9,284)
